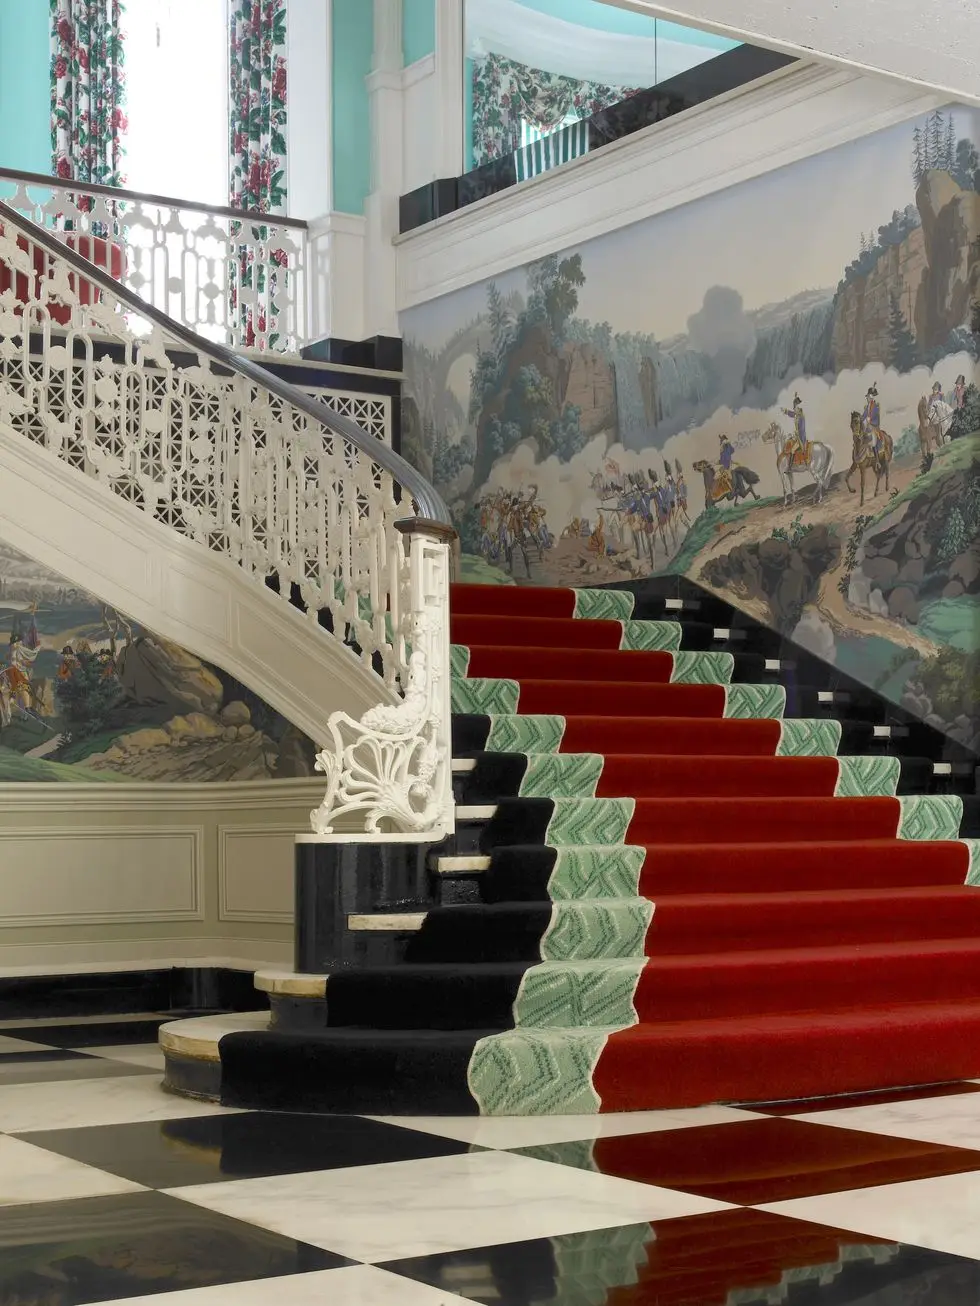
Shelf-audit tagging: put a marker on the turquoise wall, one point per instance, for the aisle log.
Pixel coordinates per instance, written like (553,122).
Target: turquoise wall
(610,18)
(418,29)
(25,92)
(352,44)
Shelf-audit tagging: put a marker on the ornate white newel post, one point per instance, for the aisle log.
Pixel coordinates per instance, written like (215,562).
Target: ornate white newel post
(389,794)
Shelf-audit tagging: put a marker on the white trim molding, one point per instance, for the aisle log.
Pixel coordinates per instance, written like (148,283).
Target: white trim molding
(932,46)
(337,245)
(798,111)
(449,117)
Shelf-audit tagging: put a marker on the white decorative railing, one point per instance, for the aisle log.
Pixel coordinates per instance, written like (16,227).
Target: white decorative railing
(212,445)
(236,278)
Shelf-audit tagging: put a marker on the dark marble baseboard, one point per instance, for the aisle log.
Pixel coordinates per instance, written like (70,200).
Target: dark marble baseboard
(174,989)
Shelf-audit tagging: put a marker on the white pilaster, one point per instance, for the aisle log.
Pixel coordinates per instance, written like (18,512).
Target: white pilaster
(385,88)
(448,119)
(308,120)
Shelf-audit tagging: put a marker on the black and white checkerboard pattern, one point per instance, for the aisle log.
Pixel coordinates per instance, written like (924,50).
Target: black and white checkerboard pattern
(113,1190)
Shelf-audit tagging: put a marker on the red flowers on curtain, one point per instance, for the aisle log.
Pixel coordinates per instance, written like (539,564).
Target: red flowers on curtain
(257,132)
(88,91)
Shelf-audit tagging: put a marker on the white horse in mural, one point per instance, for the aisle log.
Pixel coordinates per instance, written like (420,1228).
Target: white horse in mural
(820,467)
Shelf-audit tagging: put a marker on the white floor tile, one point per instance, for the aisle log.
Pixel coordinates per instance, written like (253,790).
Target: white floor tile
(953,1120)
(135,1054)
(31,1174)
(8,1046)
(356,1285)
(73,1105)
(942,1214)
(532,1131)
(417,1208)
(28,1022)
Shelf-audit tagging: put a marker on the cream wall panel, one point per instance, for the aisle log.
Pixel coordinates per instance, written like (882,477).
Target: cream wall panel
(101,875)
(255,873)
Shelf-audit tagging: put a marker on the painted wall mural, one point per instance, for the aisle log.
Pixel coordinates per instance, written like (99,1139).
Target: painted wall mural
(773,390)
(86,695)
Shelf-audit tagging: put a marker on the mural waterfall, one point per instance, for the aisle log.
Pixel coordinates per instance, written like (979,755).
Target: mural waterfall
(773,390)
(86,695)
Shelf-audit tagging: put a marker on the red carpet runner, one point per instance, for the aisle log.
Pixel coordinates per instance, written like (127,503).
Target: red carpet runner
(798,946)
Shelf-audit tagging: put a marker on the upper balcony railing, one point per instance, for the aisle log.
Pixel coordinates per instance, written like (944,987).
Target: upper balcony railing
(236,278)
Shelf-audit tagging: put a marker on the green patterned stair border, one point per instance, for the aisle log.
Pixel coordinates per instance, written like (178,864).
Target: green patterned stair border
(702,669)
(973,872)
(603,605)
(485,697)
(598,928)
(524,734)
(561,775)
(537,1072)
(590,1267)
(754,702)
(800,737)
(651,636)
(459,660)
(930,816)
(589,821)
(579,994)
(868,777)
(596,872)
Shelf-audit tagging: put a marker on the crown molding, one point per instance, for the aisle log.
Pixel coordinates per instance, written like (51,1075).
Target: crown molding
(794,113)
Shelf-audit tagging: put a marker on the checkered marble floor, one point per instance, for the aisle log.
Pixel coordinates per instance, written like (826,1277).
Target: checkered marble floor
(112,1191)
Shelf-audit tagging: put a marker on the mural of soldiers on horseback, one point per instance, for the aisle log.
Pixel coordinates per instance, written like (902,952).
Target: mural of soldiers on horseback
(726,480)
(798,455)
(872,447)
(512,522)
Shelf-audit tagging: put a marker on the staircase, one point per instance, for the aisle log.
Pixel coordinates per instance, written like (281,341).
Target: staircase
(662,890)
(225,509)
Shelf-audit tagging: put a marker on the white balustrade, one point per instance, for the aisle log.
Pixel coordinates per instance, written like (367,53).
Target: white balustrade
(184,432)
(238,280)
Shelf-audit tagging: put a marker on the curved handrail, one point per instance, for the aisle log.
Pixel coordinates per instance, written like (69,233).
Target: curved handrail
(428,502)
(142,197)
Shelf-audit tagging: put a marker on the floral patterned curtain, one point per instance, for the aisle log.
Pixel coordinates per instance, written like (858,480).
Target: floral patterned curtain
(88,90)
(257,128)
(507,93)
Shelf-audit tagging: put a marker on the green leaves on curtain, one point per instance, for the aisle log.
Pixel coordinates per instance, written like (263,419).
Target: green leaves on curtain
(507,93)
(257,133)
(88,90)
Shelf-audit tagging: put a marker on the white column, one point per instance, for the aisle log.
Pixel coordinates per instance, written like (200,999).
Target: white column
(385,87)
(448,118)
(308,119)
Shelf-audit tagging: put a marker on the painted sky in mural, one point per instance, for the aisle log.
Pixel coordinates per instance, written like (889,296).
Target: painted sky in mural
(772,390)
(86,695)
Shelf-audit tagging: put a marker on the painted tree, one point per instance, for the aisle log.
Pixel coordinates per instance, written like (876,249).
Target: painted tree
(937,139)
(949,152)
(918,156)
(501,327)
(903,353)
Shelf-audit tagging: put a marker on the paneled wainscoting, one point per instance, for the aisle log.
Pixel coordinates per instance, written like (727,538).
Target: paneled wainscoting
(128,875)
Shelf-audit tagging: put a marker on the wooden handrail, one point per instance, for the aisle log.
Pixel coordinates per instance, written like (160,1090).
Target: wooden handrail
(119,193)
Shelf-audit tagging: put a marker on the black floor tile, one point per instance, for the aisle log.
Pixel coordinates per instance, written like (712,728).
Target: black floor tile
(208,1149)
(706,1260)
(91,1034)
(105,1248)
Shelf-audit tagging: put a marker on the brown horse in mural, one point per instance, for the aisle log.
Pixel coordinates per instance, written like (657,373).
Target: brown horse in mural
(864,457)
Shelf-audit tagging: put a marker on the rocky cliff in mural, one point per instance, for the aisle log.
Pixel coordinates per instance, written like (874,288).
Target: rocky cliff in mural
(86,695)
(813,458)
